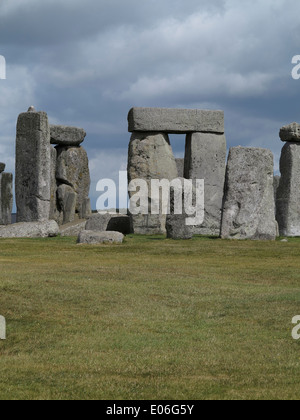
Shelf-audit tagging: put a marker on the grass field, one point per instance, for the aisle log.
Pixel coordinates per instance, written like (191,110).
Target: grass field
(150,319)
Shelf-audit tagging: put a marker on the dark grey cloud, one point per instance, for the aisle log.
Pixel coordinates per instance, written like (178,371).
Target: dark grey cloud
(87,63)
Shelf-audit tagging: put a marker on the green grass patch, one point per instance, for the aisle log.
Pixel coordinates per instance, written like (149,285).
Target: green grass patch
(150,319)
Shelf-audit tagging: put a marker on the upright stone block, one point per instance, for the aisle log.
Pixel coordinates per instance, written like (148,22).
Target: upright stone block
(175,121)
(205,158)
(180,167)
(33,167)
(73,169)
(176,225)
(54,214)
(67,199)
(249,206)
(288,192)
(6,198)
(150,157)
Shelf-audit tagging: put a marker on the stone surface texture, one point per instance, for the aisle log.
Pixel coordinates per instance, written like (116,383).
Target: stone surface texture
(176,121)
(66,136)
(30,230)
(290,133)
(288,192)
(205,158)
(72,169)
(150,157)
(92,237)
(249,195)
(176,223)
(6,198)
(33,172)
(180,167)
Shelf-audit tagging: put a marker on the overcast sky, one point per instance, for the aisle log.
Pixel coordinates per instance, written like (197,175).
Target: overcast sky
(86,63)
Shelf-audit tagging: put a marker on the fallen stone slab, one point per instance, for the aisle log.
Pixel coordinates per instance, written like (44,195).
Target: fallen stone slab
(66,136)
(175,121)
(2,167)
(91,237)
(30,230)
(290,133)
(249,205)
(72,229)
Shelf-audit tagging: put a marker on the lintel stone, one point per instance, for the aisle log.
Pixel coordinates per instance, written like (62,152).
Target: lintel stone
(175,121)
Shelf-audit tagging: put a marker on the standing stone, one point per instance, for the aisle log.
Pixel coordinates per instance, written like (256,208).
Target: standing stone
(276,186)
(176,223)
(67,199)
(205,158)
(150,157)
(33,171)
(6,198)
(73,169)
(54,214)
(288,193)
(180,167)
(249,195)
(2,167)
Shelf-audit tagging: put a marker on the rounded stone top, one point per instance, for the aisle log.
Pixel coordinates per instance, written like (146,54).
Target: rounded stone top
(31,109)
(2,167)
(290,133)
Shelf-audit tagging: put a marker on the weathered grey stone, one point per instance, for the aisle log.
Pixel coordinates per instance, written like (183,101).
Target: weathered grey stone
(176,223)
(175,121)
(53,190)
(249,195)
(33,171)
(110,222)
(98,222)
(150,157)
(276,185)
(73,228)
(290,133)
(85,210)
(73,169)
(120,223)
(205,158)
(288,193)
(92,237)
(180,167)
(2,167)
(67,199)
(30,230)
(6,198)
(66,136)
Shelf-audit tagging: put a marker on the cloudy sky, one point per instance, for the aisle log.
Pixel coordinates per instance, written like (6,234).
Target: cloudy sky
(86,63)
